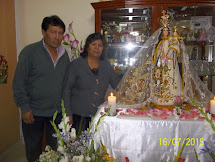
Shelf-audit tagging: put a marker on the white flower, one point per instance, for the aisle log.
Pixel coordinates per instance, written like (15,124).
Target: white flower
(209,116)
(202,115)
(64,159)
(47,148)
(87,159)
(60,143)
(195,118)
(204,109)
(68,128)
(66,119)
(61,125)
(73,133)
(75,158)
(98,133)
(81,158)
(60,149)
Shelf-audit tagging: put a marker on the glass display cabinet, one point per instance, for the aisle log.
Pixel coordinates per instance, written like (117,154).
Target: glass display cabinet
(125,33)
(126,25)
(196,26)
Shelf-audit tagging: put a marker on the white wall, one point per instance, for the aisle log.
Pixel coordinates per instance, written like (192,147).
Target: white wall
(30,13)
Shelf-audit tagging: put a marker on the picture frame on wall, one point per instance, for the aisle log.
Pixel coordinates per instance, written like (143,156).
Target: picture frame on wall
(199,22)
(3,70)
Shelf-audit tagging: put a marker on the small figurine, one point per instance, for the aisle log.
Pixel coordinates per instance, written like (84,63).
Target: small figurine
(202,35)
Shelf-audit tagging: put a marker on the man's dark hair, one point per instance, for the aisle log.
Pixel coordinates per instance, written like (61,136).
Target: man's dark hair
(92,37)
(52,20)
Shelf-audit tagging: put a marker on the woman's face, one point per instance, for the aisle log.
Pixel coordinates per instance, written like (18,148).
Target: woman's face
(165,32)
(95,48)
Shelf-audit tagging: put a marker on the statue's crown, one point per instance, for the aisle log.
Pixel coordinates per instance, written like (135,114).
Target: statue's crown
(164,20)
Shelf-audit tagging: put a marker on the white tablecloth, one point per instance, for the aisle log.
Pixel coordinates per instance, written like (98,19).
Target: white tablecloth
(142,139)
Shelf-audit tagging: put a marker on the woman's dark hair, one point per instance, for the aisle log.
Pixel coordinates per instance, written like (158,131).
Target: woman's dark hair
(52,20)
(92,37)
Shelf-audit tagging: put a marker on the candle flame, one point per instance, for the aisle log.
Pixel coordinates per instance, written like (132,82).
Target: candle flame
(111,94)
(214,98)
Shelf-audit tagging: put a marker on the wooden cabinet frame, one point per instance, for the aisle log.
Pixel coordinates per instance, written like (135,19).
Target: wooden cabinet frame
(157,7)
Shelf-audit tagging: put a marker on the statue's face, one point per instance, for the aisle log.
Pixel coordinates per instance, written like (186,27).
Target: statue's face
(165,32)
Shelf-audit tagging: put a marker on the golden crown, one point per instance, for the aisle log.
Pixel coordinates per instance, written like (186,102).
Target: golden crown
(164,20)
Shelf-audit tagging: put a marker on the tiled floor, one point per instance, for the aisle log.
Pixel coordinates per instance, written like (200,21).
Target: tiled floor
(16,153)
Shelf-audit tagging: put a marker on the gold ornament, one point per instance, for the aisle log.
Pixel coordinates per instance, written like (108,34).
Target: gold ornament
(164,20)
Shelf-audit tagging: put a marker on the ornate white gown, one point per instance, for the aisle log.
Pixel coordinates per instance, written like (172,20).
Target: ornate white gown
(144,84)
(167,82)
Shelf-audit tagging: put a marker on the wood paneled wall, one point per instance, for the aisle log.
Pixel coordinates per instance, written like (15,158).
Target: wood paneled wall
(9,113)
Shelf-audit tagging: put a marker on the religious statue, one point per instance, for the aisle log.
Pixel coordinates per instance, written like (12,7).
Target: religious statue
(157,76)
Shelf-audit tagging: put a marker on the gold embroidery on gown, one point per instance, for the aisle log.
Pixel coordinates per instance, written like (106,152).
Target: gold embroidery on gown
(139,86)
(166,78)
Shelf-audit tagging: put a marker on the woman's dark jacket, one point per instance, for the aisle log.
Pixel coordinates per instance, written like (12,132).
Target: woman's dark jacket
(83,91)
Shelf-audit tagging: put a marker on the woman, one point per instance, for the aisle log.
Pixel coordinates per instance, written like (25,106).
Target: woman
(86,82)
(167,82)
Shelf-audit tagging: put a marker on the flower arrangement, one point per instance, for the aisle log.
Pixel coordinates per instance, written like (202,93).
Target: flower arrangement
(210,126)
(210,149)
(72,148)
(70,40)
(178,101)
(205,114)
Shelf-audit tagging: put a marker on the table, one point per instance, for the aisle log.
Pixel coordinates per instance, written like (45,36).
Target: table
(143,139)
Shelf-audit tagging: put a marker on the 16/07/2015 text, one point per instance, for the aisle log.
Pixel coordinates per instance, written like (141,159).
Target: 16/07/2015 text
(179,141)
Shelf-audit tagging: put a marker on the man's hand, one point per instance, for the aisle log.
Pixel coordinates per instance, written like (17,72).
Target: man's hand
(28,117)
(70,119)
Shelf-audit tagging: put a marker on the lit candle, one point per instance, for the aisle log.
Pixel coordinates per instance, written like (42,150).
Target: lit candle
(112,103)
(212,106)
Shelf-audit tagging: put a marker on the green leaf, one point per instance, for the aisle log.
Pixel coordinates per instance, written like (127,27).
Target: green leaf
(181,150)
(197,159)
(211,155)
(62,103)
(90,125)
(65,43)
(92,150)
(204,114)
(103,115)
(183,145)
(55,115)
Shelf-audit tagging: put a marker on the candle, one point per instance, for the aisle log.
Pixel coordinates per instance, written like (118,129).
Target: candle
(112,103)
(212,106)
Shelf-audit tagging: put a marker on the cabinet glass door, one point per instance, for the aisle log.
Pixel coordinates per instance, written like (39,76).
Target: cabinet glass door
(196,25)
(125,31)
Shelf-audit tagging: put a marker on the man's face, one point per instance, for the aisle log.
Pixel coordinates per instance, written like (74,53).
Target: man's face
(53,36)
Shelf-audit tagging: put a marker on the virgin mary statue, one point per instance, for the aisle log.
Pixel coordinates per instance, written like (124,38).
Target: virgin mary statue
(156,77)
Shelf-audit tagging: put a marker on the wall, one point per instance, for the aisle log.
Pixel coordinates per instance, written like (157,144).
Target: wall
(9,113)
(30,13)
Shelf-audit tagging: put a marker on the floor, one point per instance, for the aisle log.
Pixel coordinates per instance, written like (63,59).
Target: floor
(15,153)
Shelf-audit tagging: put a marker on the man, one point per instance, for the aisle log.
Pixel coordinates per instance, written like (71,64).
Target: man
(37,86)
